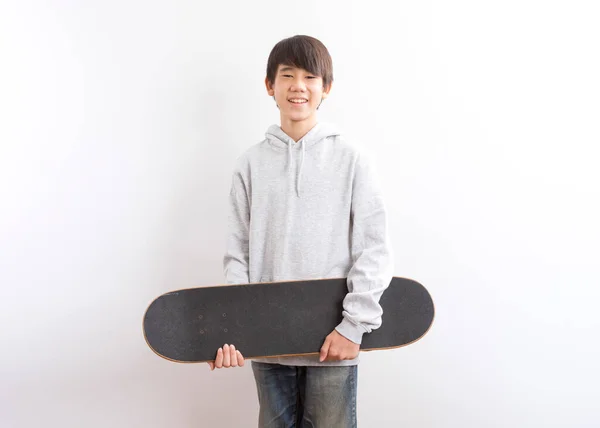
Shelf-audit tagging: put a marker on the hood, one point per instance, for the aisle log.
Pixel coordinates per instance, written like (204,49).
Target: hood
(279,139)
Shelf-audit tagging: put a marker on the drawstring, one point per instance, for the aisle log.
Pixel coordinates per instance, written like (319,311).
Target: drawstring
(278,138)
(299,174)
(300,170)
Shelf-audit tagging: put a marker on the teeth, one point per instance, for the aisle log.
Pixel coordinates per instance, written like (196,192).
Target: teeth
(298,101)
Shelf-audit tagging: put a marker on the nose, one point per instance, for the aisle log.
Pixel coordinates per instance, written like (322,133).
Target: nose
(298,84)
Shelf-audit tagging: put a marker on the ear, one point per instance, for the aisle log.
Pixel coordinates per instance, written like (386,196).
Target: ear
(327,90)
(270,89)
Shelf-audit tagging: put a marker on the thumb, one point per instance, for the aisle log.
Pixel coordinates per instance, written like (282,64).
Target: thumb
(324,350)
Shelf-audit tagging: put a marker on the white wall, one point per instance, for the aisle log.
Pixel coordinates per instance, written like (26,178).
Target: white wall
(120,123)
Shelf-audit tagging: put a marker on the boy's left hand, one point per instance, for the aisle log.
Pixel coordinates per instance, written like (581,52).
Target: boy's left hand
(336,348)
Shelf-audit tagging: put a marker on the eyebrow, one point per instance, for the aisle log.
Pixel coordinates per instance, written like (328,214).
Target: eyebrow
(283,69)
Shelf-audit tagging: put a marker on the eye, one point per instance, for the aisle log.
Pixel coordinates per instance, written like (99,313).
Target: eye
(311,77)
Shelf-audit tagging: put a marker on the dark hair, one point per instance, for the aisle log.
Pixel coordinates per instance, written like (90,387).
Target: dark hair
(303,52)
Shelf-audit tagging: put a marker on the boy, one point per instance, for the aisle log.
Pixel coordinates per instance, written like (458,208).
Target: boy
(304,204)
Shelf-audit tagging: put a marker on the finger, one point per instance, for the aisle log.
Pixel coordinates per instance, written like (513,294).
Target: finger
(324,350)
(211,365)
(219,360)
(233,356)
(240,359)
(226,356)
(332,355)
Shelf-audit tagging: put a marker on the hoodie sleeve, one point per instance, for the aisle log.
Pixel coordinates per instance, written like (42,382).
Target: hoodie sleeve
(372,269)
(235,261)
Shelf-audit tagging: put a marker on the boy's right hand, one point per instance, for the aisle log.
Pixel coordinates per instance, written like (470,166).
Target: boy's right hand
(227,356)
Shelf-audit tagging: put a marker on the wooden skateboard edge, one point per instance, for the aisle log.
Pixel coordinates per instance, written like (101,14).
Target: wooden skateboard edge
(284,355)
(264,282)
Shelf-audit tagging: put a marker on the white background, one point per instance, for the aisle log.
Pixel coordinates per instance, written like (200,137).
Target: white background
(120,124)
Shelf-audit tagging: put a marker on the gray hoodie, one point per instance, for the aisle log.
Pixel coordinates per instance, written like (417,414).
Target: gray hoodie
(311,210)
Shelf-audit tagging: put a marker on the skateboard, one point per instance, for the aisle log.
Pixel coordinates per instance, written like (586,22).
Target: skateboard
(271,319)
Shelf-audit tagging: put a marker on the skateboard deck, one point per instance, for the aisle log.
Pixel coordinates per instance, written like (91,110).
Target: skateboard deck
(273,319)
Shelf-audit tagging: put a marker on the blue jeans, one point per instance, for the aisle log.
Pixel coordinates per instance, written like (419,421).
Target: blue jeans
(306,397)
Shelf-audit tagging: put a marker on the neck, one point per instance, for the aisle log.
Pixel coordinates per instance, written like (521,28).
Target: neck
(297,129)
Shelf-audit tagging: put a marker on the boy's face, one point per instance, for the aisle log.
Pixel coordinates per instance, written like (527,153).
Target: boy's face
(297,84)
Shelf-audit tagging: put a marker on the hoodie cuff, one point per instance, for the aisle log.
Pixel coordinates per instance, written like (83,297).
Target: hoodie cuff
(350,331)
